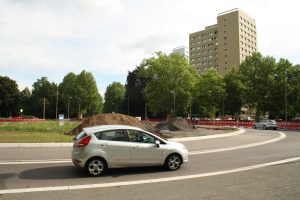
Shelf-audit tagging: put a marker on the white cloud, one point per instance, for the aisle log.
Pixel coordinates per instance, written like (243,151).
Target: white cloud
(109,37)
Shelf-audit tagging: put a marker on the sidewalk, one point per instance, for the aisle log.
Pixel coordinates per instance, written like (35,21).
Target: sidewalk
(184,139)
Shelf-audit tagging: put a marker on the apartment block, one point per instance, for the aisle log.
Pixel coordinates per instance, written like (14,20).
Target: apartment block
(225,44)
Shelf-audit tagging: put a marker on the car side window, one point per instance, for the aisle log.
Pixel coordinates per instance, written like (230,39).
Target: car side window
(141,137)
(113,135)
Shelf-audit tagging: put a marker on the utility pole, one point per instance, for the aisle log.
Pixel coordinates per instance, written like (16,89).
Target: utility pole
(285,99)
(56,116)
(44,110)
(69,107)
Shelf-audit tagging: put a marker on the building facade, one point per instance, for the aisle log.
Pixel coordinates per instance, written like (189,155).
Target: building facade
(182,50)
(225,44)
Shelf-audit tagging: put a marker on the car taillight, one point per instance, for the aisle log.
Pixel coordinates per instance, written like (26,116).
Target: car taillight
(85,141)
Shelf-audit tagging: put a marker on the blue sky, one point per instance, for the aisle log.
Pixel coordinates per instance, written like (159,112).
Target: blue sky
(111,37)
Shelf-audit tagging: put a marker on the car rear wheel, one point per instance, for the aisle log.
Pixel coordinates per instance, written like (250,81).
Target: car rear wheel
(96,166)
(254,127)
(173,162)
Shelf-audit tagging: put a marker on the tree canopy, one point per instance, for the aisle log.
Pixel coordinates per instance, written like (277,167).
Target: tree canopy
(9,97)
(171,80)
(114,97)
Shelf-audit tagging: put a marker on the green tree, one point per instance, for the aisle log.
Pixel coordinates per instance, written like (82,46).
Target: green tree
(87,97)
(257,75)
(276,104)
(44,93)
(295,98)
(114,97)
(233,93)
(170,77)
(67,89)
(24,97)
(209,93)
(134,101)
(9,97)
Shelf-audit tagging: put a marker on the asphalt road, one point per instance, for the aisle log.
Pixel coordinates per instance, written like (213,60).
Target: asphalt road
(220,168)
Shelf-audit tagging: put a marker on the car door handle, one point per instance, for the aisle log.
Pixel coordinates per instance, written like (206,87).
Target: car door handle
(103,145)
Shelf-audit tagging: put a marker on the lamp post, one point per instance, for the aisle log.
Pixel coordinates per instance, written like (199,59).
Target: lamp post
(56,116)
(69,107)
(285,98)
(44,109)
(174,102)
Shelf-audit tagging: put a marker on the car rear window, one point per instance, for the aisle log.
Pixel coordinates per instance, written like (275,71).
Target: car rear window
(113,135)
(82,134)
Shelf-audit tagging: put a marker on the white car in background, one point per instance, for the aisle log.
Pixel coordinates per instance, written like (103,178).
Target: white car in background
(266,124)
(101,147)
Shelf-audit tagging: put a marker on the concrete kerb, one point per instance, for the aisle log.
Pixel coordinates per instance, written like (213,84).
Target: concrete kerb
(184,139)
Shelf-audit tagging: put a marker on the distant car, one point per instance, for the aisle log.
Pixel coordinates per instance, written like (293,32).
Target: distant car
(266,124)
(108,146)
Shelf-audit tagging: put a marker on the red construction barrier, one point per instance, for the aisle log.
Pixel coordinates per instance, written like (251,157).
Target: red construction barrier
(21,119)
(293,125)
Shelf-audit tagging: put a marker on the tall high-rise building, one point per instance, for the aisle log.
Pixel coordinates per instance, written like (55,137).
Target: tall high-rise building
(225,44)
(182,50)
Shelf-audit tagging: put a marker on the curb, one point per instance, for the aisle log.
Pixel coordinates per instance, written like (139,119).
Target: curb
(39,145)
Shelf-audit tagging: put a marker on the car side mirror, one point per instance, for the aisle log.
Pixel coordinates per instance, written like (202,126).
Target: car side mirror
(157,143)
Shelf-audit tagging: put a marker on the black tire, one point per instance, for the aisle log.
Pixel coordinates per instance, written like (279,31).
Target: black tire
(96,166)
(274,129)
(173,162)
(264,127)
(254,127)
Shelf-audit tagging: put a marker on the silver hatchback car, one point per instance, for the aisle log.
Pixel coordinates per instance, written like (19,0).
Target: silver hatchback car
(266,124)
(101,147)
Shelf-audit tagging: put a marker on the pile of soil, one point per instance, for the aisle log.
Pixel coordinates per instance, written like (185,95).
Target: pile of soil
(176,124)
(107,119)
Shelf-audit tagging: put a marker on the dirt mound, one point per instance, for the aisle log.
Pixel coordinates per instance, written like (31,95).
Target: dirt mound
(107,119)
(177,124)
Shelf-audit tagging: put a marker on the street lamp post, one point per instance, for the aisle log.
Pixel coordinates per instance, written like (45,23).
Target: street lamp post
(174,102)
(56,116)
(285,99)
(44,109)
(69,107)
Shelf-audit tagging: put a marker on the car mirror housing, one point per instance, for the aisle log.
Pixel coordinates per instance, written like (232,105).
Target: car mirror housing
(157,143)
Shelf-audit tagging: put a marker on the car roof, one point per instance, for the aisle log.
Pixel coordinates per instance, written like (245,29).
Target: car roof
(94,129)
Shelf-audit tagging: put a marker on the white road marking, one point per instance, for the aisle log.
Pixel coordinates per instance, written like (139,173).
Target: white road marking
(19,162)
(147,181)
(281,136)
(184,139)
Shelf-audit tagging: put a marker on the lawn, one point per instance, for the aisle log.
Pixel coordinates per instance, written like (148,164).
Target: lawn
(35,132)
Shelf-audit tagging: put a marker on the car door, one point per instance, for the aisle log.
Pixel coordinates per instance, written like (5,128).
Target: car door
(115,145)
(143,150)
(260,124)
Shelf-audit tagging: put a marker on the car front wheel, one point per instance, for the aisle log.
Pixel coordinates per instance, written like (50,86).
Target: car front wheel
(173,162)
(96,167)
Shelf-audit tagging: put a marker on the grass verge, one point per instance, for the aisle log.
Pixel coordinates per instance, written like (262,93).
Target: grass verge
(43,126)
(33,137)
(35,132)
